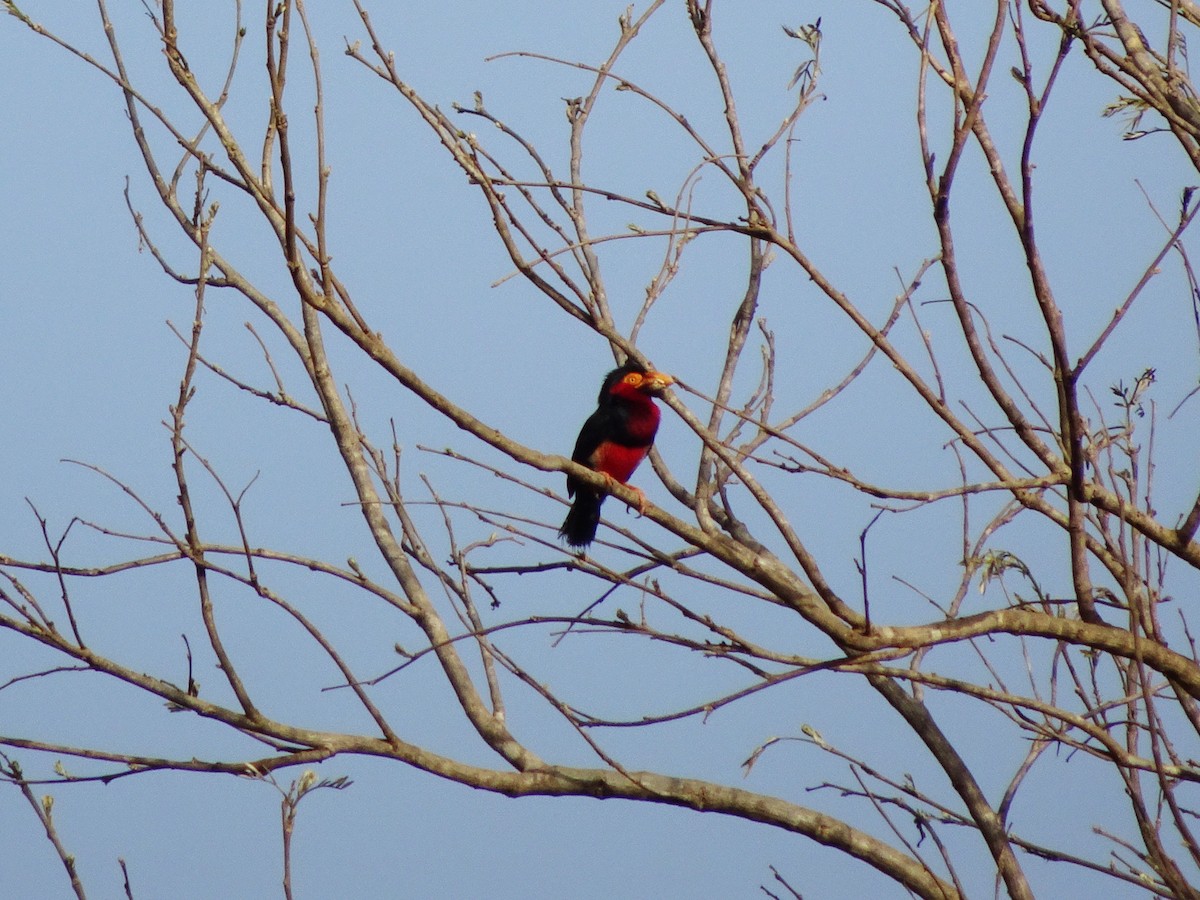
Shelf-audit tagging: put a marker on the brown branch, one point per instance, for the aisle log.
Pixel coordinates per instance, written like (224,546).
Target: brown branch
(11,772)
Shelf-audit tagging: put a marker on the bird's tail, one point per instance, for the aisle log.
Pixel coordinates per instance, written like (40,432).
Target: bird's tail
(579,528)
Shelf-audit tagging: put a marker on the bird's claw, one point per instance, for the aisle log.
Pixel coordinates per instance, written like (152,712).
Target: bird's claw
(641,504)
(641,495)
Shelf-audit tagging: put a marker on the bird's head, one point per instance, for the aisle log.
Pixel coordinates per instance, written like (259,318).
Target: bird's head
(633,381)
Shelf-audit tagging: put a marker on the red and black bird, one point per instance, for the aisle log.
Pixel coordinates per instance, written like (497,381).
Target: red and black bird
(614,439)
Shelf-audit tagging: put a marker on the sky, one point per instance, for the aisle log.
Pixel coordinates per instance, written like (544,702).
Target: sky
(89,367)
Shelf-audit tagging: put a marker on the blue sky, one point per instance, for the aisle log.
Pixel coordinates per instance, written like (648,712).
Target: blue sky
(88,368)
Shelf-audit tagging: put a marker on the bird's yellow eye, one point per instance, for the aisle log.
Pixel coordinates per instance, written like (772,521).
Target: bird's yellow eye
(633,378)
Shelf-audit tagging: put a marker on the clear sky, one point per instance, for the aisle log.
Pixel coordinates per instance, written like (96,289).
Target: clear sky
(88,368)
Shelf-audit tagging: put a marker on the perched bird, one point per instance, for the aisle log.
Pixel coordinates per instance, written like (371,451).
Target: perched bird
(614,439)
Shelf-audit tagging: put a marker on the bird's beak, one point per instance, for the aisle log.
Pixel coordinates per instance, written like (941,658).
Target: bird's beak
(656,381)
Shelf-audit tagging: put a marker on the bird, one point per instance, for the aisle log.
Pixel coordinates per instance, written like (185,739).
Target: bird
(613,440)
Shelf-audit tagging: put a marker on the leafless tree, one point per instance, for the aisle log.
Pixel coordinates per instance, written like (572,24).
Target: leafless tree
(1056,615)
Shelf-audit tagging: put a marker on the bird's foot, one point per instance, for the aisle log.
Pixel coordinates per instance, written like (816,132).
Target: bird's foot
(641,501)
(641,495)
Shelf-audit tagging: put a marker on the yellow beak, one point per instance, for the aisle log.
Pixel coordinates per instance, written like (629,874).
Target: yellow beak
(655,381)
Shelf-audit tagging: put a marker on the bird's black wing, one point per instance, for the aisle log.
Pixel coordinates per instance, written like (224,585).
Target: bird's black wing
(605,424)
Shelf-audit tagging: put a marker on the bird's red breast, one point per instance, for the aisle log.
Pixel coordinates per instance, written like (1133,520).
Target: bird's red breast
(617,460)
